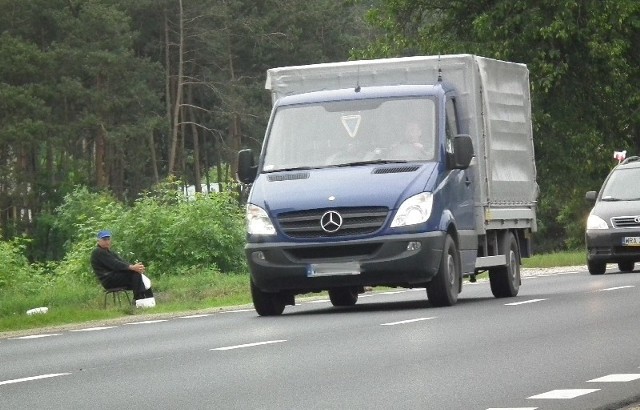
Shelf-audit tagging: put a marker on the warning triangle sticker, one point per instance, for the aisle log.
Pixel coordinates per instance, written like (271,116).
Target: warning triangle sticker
(351,123)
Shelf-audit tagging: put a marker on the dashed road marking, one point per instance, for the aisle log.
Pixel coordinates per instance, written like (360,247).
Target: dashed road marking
(524,302)
(403,322)
(512,408)
(26,379)
(616,288)
(35,336)
(146,322)
(248,345)
(92,329)
(194,316)
(563,394)
(616,378)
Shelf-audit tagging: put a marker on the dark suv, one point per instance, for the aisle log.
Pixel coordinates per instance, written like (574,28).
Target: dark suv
(613,226)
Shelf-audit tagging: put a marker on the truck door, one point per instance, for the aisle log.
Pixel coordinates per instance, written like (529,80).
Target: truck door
(461,193)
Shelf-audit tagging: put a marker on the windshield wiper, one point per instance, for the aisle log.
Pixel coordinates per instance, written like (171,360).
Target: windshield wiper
(374,161)
(610,199)
(289,169)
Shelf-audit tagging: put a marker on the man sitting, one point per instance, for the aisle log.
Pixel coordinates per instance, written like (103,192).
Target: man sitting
(114,272)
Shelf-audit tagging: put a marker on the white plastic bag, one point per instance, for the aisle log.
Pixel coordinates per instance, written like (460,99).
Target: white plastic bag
(146,281)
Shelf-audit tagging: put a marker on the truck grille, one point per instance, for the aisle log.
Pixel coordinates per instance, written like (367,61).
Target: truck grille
(354,221)
(626,222)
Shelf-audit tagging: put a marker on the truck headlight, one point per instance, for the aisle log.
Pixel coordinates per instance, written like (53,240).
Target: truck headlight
(414,210)
(595,222)
(258,222)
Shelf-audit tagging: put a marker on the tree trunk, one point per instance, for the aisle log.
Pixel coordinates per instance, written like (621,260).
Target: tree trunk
(196,143)
(178,100)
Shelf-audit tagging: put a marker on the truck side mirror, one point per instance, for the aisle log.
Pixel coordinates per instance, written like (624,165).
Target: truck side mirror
(247,167)
(591,196)
(462,152)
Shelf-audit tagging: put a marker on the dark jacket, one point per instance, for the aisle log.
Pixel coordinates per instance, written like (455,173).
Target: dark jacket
(104,261)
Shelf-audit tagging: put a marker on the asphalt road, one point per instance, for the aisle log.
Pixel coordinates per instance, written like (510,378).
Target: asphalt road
(568,341)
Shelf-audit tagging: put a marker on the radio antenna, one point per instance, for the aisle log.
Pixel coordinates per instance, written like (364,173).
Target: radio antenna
(358,80)
(439,70)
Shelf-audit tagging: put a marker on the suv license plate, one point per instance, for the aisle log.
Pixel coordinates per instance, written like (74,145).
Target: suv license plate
(334,269)
(631,241)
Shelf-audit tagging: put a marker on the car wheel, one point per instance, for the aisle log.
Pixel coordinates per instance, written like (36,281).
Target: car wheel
(265,303)
(505,280)
(626,266)
(443,288)
(596,268)
(343,296)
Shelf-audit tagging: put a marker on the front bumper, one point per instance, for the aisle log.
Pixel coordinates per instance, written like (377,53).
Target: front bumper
(608,245)
(388,261)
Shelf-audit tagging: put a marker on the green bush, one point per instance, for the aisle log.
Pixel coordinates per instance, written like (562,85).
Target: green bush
(164,230)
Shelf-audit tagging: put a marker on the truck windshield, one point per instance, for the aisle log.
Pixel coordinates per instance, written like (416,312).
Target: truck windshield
(622,185)
(339,133)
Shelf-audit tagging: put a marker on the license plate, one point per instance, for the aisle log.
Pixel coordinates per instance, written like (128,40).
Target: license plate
(333,269)
(631,241)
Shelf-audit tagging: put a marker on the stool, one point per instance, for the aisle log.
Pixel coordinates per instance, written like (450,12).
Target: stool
(115,292)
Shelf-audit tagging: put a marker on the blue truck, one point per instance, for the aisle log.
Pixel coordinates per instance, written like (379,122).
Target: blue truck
(410,172)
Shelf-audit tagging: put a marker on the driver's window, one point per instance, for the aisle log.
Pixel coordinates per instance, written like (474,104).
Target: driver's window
(451,125)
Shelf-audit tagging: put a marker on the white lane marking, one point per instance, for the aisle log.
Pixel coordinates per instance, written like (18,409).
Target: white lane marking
(563,394)
(512,408)
(237,311)
(35,336)
(522,303)
(616,378)
(91,329)
(616,288)
(146,322)
(26,379)
(319,301)
(194,316)
(402,322)
(393,292)
(248,345)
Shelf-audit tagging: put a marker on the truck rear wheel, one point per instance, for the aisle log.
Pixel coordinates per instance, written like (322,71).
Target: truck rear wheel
(343,296)
(265,303)
(443,288)
(505,280)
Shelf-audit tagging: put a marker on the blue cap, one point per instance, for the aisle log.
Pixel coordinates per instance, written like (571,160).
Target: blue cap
(104,234)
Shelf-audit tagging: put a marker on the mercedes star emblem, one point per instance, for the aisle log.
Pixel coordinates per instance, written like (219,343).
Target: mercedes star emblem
(331,221)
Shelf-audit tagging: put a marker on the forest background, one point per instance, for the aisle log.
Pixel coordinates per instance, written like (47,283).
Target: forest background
(109,108)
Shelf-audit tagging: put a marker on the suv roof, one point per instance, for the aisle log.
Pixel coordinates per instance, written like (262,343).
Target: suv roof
(631,162)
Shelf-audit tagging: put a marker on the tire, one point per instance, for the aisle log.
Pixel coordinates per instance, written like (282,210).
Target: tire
(596,268)
(443,288)
(505,280)
(343,296)
(265,303)
(626,266)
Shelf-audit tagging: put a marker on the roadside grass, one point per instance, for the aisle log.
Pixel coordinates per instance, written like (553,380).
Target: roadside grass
(84,302)
(550,260)
(79,302)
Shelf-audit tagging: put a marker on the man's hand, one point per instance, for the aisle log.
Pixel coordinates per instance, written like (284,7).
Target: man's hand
(138,267)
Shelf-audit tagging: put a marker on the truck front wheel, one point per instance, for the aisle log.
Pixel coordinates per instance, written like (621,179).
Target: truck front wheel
(505,280)
(443,288)
(265,303)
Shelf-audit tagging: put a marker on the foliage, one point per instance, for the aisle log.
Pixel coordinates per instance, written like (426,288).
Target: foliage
(165,230)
